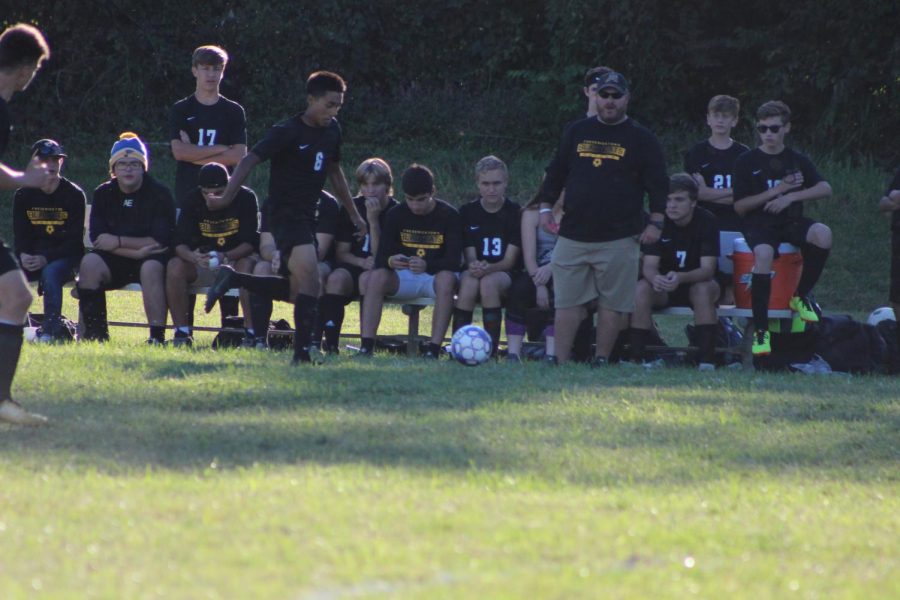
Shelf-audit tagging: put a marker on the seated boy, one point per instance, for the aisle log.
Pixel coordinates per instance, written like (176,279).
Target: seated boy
(679,270)
(771,183)
(48,223)
(206,239)
(492,242)
(131,226)
(419,256)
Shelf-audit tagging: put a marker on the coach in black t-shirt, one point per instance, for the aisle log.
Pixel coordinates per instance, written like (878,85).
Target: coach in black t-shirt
(679,270)
(305,150)
(49,234)
(771,184)
(205,127)
(131,226)
(606,165)
(419,256)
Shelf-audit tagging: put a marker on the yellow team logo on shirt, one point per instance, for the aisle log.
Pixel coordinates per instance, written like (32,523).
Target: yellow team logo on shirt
(599,151)
(50,229)
(420,253)
(220,242)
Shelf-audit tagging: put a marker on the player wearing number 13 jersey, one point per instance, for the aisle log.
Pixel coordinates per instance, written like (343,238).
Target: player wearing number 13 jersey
(492,242)
(304,151)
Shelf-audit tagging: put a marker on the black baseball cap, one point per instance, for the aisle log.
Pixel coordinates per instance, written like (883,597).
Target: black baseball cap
(613,80)
(212,175)
(47,148)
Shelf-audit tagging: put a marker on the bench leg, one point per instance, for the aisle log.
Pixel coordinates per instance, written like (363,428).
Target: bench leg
(747,346)
(412,331)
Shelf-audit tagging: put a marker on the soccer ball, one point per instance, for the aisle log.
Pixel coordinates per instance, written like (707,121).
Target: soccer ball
(471,345)
(881,314)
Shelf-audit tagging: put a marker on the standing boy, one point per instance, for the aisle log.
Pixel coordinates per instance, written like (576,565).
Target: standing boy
(305,150)
(890,205)
(771,183)
(22,51)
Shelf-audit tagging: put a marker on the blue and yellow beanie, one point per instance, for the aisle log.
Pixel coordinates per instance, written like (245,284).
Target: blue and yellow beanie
(129,145)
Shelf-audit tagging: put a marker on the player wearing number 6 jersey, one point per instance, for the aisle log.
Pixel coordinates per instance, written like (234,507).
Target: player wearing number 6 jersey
(305,151)
(492,242)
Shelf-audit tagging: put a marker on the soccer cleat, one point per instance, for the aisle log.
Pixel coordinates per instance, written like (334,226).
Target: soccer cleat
(513,358)
(762,343)
(219,288)
(599,362)
(429,355)
(803,307)
(550,360)
(12,412)
(155,342)
(363,353)
(705,366)
(182,340)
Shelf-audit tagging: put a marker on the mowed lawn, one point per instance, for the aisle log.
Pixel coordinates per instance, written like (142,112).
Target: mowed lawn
(201,474)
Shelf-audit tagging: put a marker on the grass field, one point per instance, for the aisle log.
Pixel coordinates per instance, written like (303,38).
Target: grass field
(201,474)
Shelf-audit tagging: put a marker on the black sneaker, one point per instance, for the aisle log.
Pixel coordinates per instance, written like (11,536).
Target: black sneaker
(513,358)
(430,355)
(182,340)
(599,362)
(363,353)
(550,360)
(220,287)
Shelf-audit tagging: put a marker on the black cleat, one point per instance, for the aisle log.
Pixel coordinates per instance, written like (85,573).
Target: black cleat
(219,288)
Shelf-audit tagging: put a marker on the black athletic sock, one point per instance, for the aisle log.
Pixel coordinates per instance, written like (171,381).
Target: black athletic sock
(319,324)
(92,304)
(229,306)
(637,340)
(434,349)
(461,318)
(10,349)
(813,264)
(331,315)
(493,319)
(158,333)
(260,313)
(706,343)
(304,321)
(584,339)
(760,288)
(367,345)
(271,286)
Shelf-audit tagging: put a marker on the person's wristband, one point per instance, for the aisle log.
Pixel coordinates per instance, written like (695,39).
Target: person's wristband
(545,210)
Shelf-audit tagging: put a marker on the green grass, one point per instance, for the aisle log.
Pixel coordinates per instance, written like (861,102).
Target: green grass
(200,474)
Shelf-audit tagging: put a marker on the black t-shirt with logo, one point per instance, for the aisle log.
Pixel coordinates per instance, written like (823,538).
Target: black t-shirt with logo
(491,233)
(606,170)
(220,230)
(680,248)
(755,172)
(50,225)
(717,168)
(435,237)
(300,156)
(148,212)
(206,125)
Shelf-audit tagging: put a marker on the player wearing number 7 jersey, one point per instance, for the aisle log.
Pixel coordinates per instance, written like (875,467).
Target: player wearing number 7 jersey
(492,242)
(305,151)
(205,127)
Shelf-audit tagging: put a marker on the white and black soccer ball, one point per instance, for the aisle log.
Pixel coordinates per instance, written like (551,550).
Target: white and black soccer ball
(471,345)
(878,315)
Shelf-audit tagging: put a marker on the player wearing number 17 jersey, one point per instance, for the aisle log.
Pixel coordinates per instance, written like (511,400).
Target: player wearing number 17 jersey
(305,151)
(492,242)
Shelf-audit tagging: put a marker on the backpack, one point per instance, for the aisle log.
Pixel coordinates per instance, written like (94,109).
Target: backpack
(849,345)
(67,333)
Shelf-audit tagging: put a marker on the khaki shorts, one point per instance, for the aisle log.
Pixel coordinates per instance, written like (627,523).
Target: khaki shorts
(584,271)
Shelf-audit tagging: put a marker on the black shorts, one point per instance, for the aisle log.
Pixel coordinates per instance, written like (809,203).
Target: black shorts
(355,272)
(127,270)
(680,297)
(793,232)
(8,260)
(293,232)
(895,267)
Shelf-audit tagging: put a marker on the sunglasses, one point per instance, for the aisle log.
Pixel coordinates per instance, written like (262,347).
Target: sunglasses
(772,128)
(608,95)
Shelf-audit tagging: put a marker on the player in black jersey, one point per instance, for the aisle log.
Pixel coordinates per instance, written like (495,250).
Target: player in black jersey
(711,162)
(326,231)
(771,183)
(22,51)
(305,150)
(492,244)
(48,224)
(679,270)
(205,127)
(890,205)
(131,226)
(206,239)
(596,255)
(355,257)
(418,256)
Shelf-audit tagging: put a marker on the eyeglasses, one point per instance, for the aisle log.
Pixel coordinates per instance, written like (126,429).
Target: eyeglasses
(608,95)
(125,166)
(772,128)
